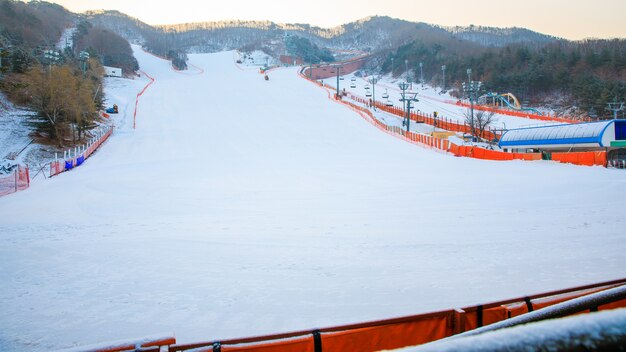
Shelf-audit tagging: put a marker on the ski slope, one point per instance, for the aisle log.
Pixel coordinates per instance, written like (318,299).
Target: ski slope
(241,206)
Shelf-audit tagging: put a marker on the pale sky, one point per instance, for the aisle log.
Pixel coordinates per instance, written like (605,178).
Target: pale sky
(571,19)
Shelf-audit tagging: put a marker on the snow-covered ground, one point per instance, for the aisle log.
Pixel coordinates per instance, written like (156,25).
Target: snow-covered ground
(14,130)
(67,39)
(241,206)
(254,58)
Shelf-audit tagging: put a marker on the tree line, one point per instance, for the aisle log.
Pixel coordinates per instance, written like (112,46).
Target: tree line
(586,74)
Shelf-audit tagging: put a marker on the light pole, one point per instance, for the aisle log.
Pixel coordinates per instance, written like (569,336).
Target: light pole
(422,74)
(337,68)
(443,84)
(2,53)
(407,98)
(406,68)
(373,81)
(51,56)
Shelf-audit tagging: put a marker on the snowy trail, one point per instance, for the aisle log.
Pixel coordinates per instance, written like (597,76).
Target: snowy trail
(240,207)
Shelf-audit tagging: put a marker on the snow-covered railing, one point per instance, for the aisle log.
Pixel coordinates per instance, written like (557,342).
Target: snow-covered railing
(76,156)
(15,179)
(152,343)
(602,331)
(411,330)
(396,332)
(589,333)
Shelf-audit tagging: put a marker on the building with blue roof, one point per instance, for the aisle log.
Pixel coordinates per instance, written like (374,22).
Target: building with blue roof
(607,135)
(587,136)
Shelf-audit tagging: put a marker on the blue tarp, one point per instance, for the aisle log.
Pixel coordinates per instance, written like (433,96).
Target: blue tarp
(80,160)
(69,164)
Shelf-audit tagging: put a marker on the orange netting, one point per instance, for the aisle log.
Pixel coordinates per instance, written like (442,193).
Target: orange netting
(17,180)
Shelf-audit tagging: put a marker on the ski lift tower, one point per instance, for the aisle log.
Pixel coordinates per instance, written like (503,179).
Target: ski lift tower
(373,80)
(616,107)
(407,98)
(472,88)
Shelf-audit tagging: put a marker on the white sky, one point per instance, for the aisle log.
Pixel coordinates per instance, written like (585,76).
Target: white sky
(564,18)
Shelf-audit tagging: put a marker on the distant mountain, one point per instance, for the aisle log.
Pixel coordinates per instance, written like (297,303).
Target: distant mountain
(501,37)
(371,34)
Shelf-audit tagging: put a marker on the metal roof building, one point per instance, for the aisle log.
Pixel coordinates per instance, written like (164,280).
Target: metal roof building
(591,135)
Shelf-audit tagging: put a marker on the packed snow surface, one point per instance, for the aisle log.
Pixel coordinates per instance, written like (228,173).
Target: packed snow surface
(241,206)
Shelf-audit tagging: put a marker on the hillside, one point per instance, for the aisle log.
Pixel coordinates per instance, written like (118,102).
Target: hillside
(580,77)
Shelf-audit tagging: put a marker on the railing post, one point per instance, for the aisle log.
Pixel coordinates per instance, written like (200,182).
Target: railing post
(459,321)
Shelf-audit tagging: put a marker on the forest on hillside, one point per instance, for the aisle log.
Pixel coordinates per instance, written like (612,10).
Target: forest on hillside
(586,74)
(60,86)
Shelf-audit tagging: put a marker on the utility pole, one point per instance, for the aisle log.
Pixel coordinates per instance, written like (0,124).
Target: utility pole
(616,107)
(1,54)
(406,68)
(373,80)
(443,68)
(407,98)
(337,68)
(422,74)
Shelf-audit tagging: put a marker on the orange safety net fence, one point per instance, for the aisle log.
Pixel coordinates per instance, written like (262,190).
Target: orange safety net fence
(581,158)
(16,180)
(523,114)
(82,153)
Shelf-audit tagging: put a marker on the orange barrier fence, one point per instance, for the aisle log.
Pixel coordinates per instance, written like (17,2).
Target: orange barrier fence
(75,157)
(578,158)
(18,179)
(581,158)
(398,332)
(522,114)
(137,98)
(440,122)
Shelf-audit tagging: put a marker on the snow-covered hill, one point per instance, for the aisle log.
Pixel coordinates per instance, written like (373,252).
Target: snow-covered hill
(241,206)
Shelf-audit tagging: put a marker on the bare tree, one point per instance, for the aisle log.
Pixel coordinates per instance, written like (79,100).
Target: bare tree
(482,119)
